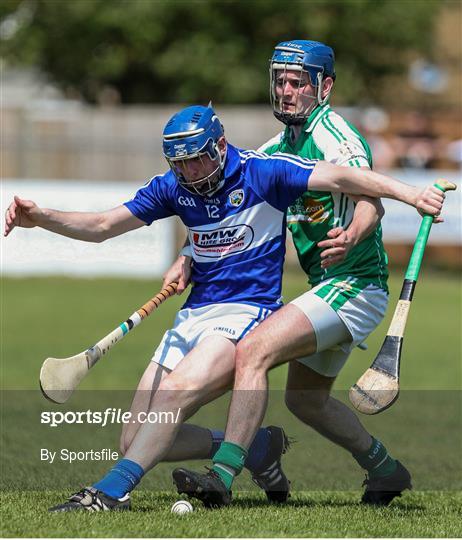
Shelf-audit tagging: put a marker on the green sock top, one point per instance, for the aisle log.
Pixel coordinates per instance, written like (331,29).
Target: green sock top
(229,461)
(376,460)
(232,455)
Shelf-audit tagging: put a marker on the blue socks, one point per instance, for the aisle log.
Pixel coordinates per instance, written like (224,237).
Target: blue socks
(126,474)
(217,438)
(257,451)
(122,478)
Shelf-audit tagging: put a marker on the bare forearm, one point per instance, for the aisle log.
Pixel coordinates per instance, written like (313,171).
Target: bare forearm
(86,226)
(368,213)
(373,184)
(328,177)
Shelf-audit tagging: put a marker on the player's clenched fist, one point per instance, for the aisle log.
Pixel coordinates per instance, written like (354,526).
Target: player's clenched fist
(430,201)
(179,272)
(21,213)
(335,248)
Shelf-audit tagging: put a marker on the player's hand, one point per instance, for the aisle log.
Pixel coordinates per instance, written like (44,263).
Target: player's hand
(21,213)
(335,248)
(180,271)
(430,201)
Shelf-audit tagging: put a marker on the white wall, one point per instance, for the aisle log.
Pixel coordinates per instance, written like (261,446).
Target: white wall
(401,224)
(147,252)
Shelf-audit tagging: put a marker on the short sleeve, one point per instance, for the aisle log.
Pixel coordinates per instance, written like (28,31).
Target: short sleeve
(281,178)
(340,143)
(153,201)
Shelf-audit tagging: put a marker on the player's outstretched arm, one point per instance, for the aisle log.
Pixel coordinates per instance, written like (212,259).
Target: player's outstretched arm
(329,177)
(87,226)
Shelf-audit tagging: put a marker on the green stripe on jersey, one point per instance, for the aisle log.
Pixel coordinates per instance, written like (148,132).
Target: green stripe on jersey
(334,129)
(326,135)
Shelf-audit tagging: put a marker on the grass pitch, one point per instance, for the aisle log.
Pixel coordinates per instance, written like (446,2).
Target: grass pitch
(308,514)
(60,317)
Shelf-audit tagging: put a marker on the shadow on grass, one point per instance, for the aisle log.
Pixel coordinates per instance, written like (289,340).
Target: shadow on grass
(150,502)
(247,502)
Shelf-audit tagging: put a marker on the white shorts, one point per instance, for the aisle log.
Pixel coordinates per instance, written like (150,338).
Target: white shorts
(343,313)
(191,326)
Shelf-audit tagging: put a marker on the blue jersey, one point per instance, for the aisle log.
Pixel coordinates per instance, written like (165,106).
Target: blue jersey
(238,234)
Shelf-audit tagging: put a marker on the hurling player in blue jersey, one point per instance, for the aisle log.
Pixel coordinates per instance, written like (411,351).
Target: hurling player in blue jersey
(233,203)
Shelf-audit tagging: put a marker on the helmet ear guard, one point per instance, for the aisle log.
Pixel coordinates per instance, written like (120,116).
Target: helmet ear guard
(320,87)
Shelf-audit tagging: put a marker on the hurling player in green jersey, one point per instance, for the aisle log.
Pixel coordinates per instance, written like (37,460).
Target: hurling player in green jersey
(339,245)
(315,131)
(338,240)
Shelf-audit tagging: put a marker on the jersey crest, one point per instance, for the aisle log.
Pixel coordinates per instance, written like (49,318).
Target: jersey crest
(236,197)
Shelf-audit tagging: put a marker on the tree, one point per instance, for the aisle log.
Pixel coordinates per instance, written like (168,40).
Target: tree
(192,51)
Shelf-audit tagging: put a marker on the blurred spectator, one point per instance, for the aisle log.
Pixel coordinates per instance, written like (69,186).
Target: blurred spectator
(374,122)
(416,145)
(109,96)
(454,152)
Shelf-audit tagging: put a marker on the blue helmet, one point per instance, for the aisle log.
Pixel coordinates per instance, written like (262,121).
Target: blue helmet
(193,133)
(311,57)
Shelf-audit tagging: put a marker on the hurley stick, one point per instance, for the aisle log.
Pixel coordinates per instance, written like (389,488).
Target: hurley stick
(59,377)
(378,388)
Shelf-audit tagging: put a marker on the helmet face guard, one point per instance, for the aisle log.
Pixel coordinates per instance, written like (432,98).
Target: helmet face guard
(314,61)
(209,157)
(190,145)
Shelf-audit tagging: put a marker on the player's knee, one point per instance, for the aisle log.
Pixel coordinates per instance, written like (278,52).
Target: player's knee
(169,390)
(172,395)
(250,355)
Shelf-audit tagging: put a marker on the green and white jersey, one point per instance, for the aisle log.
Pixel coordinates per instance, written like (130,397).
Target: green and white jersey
(327,136)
